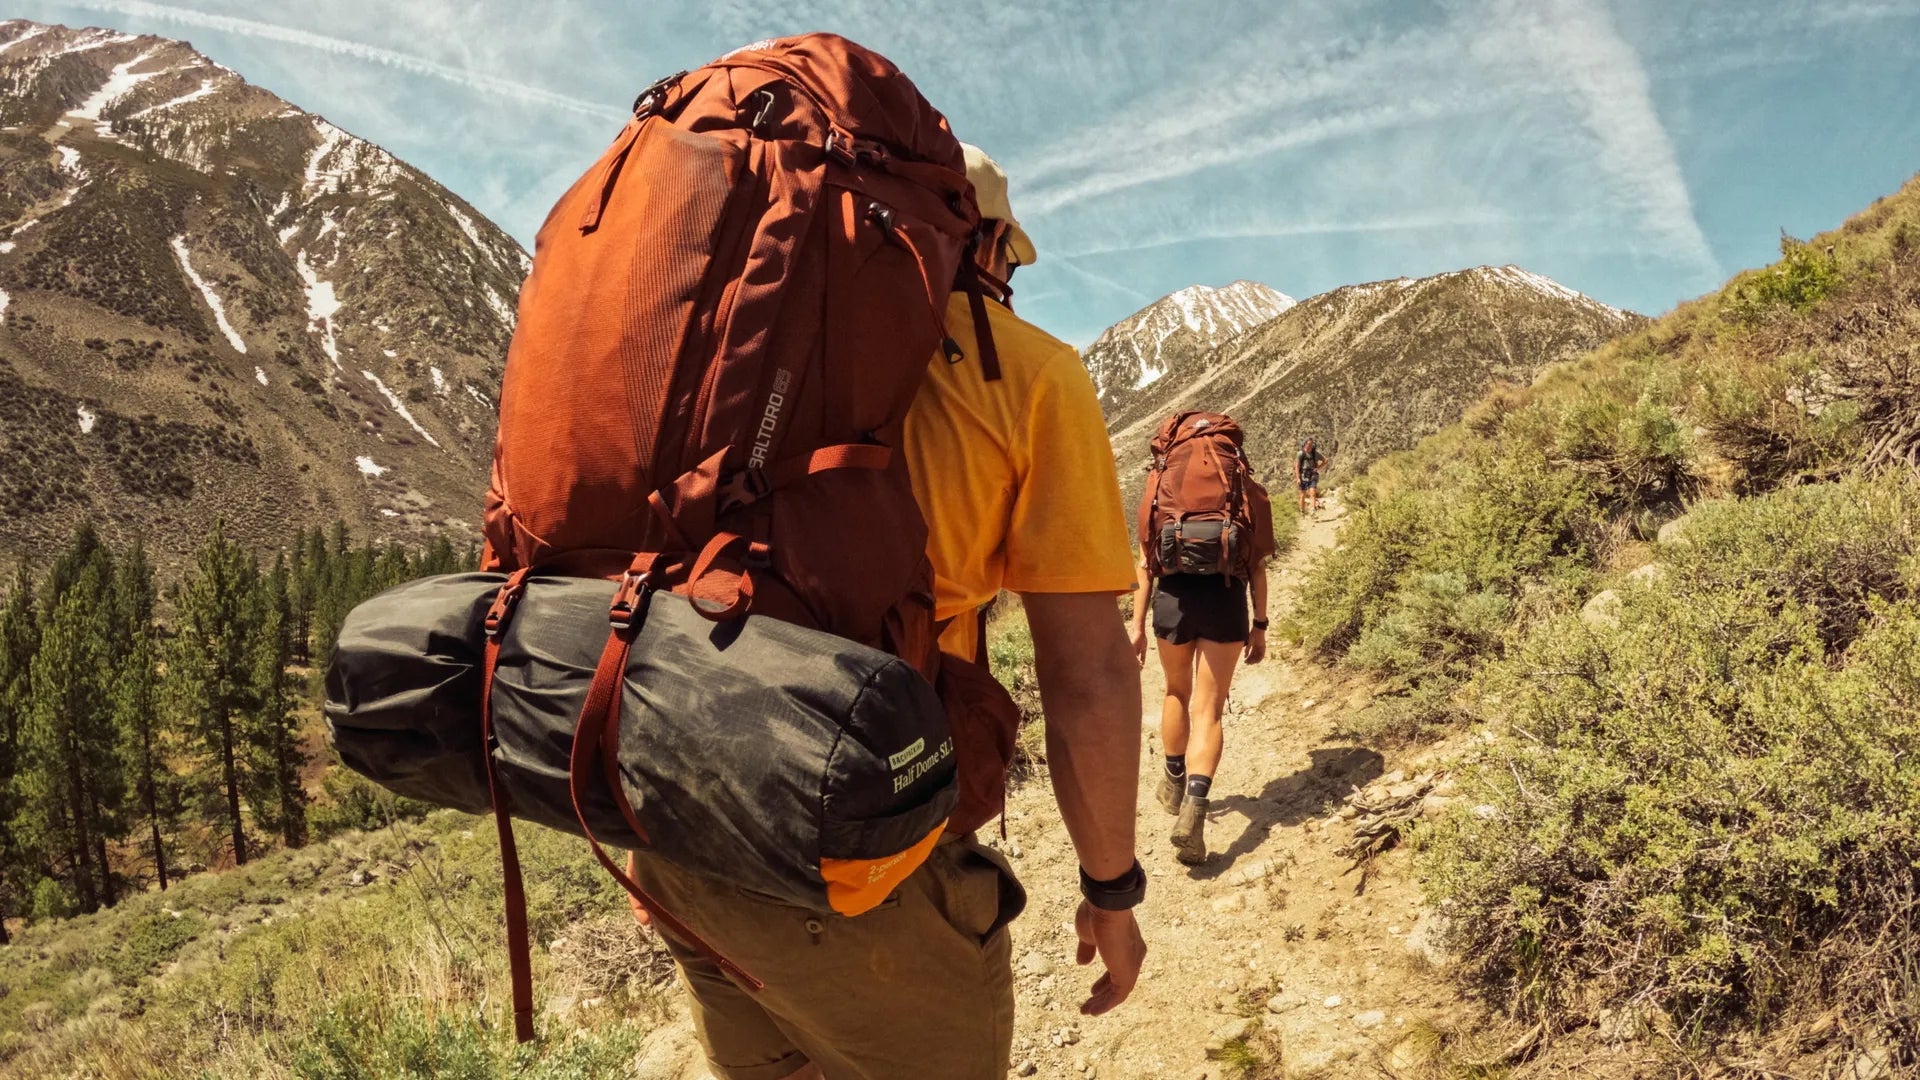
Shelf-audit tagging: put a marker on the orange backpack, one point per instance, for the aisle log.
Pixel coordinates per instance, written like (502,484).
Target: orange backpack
(1202,511)
(726,322)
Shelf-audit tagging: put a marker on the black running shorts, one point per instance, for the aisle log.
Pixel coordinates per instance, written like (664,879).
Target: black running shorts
(1209,606)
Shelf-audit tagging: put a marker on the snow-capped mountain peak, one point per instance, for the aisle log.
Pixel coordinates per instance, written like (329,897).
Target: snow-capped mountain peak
(1142,347)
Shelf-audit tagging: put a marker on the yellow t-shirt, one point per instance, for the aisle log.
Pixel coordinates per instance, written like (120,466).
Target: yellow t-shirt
(1015,477)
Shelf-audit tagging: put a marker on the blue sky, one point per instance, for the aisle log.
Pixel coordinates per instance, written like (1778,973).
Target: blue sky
(1638,150)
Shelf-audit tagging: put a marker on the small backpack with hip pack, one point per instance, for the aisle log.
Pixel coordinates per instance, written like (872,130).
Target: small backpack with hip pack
(704,623)
(1202,511)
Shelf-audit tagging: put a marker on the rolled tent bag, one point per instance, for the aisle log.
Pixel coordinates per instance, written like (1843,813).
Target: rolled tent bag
(792,762)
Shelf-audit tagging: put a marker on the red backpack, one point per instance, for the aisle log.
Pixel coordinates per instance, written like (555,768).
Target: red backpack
(726,322)
(1202,511)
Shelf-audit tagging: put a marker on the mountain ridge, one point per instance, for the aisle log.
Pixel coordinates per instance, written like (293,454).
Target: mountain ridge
(269,320)
(1375,365)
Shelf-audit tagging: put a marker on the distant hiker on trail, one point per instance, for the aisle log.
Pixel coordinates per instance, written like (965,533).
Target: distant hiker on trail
(1205,531)
(1306,473)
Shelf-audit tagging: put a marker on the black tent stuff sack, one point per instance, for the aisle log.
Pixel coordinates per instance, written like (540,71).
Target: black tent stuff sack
(791,762)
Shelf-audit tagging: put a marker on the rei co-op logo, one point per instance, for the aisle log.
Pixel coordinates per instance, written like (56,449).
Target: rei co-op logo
(769,420)
(908,765)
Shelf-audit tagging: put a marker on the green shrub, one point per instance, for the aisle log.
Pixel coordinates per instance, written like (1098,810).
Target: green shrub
(1352,580)
(1710,803)
(150,941)
(373,1037)
(1802,278)
(351,801)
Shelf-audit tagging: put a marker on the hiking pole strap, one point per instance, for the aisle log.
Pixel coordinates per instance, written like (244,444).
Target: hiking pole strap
(519,949)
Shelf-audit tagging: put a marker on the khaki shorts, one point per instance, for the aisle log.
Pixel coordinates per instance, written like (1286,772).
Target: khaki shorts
(919,988)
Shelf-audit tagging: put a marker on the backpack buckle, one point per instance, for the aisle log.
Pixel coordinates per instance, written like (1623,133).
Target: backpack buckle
(744,488)
(654,98)
(503,603)
(629,600)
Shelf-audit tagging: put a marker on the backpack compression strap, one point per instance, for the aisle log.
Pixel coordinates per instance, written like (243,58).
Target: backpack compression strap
(519,953)
(597,735)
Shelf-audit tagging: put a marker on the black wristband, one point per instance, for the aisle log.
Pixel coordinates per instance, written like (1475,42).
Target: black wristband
(1259,624)
(1119,894)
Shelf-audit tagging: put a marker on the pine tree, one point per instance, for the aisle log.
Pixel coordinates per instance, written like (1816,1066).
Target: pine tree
(275,758)
(19,640)
(71,786)
(145,735)
(209,681)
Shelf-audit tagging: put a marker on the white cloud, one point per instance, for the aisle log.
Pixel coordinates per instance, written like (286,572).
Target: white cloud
(1575,44)
(393,58)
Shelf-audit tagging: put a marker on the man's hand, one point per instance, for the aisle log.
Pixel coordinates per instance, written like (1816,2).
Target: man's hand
(1115,938)
(1256,646)
(1137,637)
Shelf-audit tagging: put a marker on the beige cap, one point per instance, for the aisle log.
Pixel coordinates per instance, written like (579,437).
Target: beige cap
(989,182)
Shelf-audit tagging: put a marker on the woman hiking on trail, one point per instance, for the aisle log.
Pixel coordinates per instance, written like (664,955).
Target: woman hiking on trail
(1306,473)
(1206,531)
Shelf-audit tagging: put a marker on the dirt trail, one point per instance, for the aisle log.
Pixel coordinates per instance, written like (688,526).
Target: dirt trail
(1269,939)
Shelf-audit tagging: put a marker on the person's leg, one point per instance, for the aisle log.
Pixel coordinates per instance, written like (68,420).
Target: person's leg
(1314,494)
(1176,663)
(1205,743)
(1211,684)
(934,959)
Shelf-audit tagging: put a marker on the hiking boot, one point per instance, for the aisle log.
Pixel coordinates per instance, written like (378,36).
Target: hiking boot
(1190,832)
(1173,790)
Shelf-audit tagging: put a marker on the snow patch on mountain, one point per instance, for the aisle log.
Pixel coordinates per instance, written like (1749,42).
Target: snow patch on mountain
(4,300)
(394,403)
(260,374)
(87,418)
(368,467)
(207,86)
(93,39)
(32,32)
(322,305)
(179,245)
(342,159)
(1546,286)
(119,82)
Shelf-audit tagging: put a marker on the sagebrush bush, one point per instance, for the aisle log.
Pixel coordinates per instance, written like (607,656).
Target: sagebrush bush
(1711,801)
(1802,278)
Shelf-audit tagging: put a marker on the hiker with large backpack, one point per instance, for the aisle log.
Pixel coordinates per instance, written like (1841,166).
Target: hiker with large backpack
(770,440)
(1205,533)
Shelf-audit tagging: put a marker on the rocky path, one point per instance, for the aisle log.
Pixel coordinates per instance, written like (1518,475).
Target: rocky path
(1272,945)
(1268,961)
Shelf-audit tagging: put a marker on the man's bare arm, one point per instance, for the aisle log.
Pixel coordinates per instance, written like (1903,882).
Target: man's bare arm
(1090,689)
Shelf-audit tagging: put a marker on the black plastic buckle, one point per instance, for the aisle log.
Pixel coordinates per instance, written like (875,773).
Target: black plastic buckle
(629,600)
(503,603)
(654,98)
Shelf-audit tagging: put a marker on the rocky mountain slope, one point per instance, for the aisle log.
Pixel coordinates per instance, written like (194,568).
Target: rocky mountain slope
(1376,366)
(215,304)
(1139,349)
